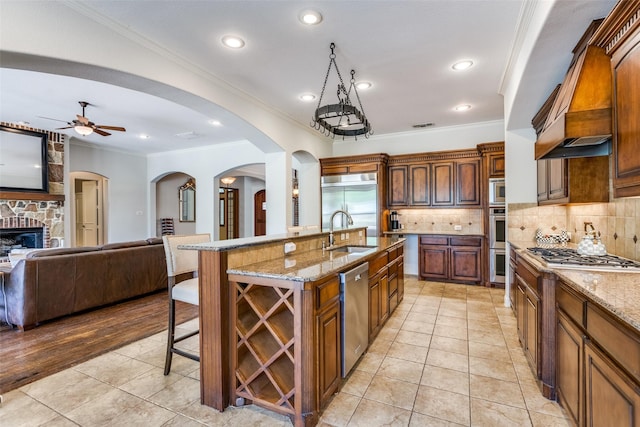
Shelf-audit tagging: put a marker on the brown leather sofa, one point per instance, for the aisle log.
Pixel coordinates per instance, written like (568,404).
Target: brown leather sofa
(56,282)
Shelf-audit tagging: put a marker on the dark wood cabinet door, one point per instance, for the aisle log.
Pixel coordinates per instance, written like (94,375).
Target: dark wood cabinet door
(611,398)
(557,176)
(329,351)
(569,365)
(374,306)
(434,262)
(543,180)
(465,264)
(532,329)
(384,297)
(420,180)
(520,309)
(468,183)
(400,278)
(398,186)
(496,165)
(626,126)
(442,184)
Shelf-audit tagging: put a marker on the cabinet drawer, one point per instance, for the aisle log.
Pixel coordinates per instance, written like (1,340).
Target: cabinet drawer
(377,263)
(528,274)
(393,254)
(434,240)
(327,291)
(466,241)
(512,254)
(571,304)
(400,250)
(615,338)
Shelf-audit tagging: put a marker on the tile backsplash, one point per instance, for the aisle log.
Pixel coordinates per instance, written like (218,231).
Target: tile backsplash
(442,220)
(617,221)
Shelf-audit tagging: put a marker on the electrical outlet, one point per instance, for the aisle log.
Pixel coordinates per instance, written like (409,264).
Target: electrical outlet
(341,236)
(347,236)
(139,213)
(457,227)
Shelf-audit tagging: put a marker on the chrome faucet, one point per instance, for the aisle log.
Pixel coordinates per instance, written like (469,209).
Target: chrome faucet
(333,215)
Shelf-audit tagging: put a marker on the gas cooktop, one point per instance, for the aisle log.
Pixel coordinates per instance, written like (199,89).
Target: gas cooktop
(569,258)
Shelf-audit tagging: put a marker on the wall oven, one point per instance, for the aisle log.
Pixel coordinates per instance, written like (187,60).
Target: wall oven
(497,192)
(497,243)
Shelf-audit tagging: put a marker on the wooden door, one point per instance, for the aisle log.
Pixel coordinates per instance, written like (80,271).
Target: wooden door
(229,227)
(468,183)
(90,223)
(520,310)
(420,183)
(626,126)
(442,182)
(374,306)
(434,262)
(557,173)
(532,323)
(569,369)
(329,351)
(398,194)
(611,398)
(543,180)
(465,264)
(260,213)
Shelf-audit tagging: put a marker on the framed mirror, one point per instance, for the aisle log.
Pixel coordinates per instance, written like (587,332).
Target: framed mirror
(23,160)
(187,201)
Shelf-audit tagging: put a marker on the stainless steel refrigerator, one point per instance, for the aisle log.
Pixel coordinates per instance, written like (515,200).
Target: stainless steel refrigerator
(356,194)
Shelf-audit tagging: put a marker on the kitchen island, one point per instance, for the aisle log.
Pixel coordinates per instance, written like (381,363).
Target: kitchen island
(270,323)
(580,330)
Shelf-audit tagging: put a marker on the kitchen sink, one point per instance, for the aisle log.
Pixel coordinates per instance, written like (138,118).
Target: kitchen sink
(355,249)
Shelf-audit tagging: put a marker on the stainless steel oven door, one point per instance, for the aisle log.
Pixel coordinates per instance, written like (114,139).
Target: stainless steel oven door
(497,231)
(497,267)
(497,192)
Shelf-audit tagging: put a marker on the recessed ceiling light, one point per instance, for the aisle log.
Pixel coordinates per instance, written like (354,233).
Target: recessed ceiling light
(215,122)
(307,97)
(144,136)
(233,42)
(462,107)
(310,17)
(363,85)
(462,65)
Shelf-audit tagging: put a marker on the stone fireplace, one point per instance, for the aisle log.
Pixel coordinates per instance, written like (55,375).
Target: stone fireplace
(36,218)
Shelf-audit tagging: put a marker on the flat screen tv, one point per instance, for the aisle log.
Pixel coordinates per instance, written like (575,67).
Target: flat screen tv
(23,160)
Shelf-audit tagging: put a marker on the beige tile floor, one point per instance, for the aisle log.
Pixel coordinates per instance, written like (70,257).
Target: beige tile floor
(448,356)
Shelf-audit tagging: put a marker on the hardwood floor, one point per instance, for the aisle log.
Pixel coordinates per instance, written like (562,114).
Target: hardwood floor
(62,343)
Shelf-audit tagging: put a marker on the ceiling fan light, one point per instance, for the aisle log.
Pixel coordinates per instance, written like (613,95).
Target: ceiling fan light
(83,130)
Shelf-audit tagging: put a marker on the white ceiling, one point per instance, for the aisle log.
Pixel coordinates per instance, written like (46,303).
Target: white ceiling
(405,48)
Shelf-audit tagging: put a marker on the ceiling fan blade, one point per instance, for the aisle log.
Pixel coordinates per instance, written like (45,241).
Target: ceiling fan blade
(68,127)
(82,119)
(118,128)
(101,132)
(49,118)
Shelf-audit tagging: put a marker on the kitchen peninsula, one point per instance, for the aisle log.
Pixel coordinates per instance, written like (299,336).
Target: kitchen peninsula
(270,322)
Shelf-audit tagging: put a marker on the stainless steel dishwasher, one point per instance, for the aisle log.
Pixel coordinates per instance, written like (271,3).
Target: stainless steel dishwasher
(354,294)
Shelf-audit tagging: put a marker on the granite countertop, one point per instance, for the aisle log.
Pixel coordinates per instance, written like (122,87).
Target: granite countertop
(616,291)
(315,264)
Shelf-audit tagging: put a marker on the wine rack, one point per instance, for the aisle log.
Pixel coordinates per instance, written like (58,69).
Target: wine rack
(265,346)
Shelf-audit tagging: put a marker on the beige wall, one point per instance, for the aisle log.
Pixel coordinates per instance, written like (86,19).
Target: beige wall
(617,221)
(441,220)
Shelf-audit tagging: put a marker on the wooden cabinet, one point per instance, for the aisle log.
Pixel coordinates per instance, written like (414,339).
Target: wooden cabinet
(439,179)
(398,186)
(619,36)
(512,278)
(386,287)
(454,258)
(496,165)
(611,396)
(378,280)
(329,350)
(580,180)
(535,309)
(598,363)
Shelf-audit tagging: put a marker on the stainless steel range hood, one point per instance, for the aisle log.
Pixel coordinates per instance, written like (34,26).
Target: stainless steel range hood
(579,123)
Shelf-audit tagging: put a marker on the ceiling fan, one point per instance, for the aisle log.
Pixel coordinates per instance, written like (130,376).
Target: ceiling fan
(85,127)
